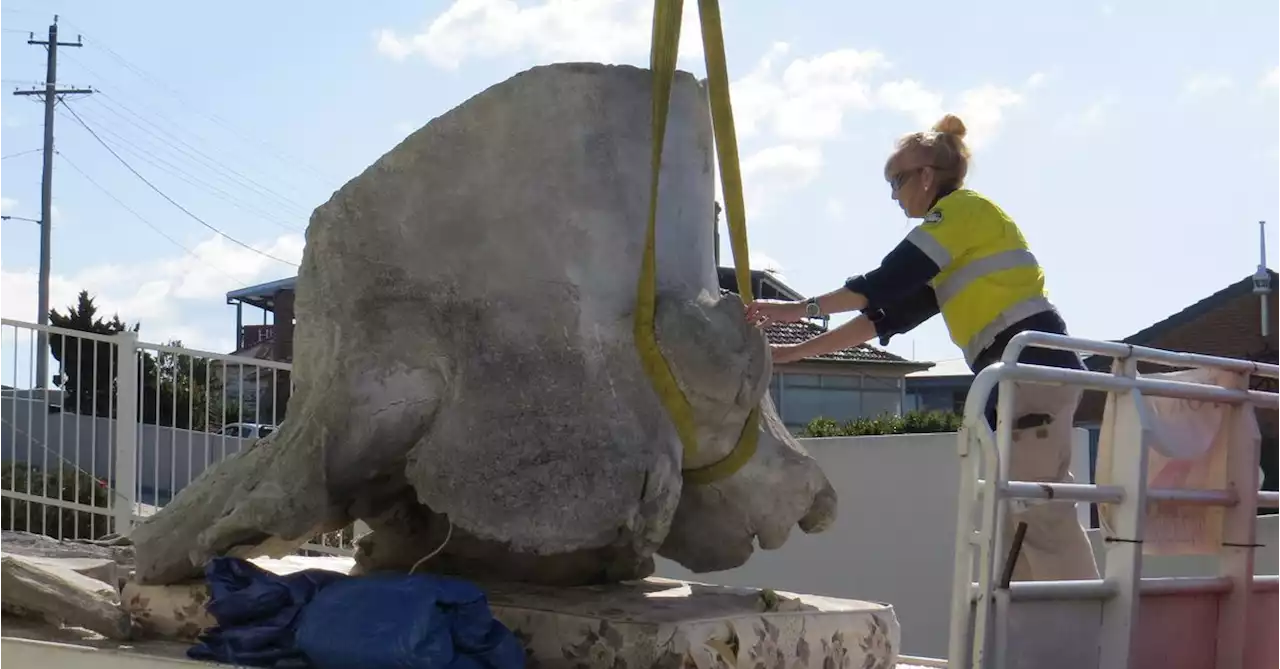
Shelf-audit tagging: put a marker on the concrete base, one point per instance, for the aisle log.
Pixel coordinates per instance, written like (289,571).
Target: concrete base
(667,623)
(651,623)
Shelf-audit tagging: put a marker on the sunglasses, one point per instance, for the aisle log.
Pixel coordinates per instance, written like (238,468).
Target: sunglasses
(900,179)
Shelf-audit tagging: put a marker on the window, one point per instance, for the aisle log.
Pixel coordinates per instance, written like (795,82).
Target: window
(800,398)
(880,403)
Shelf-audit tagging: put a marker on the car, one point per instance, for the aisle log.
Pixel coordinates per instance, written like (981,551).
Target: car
(247,430)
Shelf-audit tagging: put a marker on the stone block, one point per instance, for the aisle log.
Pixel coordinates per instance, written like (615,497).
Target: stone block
(30,588)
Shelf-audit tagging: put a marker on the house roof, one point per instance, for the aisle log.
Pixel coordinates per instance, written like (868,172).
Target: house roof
(262,295)
(1208,304)
(944,368)
(1147,335)
(796,333)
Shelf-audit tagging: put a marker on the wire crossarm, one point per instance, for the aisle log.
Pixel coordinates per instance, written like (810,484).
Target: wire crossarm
(978,629)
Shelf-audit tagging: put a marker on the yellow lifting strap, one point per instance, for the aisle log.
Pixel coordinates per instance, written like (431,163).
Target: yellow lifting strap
(662,62)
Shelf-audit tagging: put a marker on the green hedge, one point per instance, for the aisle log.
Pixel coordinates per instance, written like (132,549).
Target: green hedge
(58,522)
(915,422)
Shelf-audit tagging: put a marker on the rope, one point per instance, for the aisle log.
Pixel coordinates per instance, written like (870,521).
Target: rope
(664,50)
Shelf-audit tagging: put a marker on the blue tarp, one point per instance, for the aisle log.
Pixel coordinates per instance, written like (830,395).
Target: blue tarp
(326,620)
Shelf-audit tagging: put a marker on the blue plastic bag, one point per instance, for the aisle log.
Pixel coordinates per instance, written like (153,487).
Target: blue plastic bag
(323,619)
(405,621)
(257,613)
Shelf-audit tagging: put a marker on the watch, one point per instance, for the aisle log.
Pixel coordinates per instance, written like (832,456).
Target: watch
(811,308)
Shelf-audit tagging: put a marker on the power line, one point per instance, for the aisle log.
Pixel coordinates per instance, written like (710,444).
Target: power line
(153,158)
(253,185)
(20,153)
(164,124)
(257,143)
(140,217)
(162,194)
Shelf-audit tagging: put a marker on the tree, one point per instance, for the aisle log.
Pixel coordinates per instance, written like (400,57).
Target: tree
(183,391)
(88,371)
(174,390)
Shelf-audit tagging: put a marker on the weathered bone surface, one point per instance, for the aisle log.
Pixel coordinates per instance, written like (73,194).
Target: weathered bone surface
(464,363)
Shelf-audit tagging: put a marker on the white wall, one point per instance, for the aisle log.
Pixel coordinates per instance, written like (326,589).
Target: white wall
(168,458)
(893,540)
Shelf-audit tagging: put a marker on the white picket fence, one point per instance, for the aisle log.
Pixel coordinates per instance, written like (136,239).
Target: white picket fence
(74,467)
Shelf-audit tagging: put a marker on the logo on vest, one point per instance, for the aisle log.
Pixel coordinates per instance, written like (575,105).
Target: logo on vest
(934,216)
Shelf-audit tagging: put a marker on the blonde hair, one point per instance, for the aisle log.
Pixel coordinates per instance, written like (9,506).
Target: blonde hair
(942,149)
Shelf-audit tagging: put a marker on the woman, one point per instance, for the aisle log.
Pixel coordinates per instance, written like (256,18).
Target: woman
(968,261)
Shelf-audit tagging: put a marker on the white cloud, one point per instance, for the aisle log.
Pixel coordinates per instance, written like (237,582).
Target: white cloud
(597,30)
(809,98)
(404,128)
(174,298)
(7,204)
(1087,119)
(1271,79)
(1206,84)
(777,170)
(910,97)
(983,109)
(1036,80)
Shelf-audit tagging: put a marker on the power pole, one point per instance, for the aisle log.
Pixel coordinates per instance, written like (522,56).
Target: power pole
(50,94)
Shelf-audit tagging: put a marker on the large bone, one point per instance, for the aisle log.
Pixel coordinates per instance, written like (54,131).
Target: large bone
(465,367)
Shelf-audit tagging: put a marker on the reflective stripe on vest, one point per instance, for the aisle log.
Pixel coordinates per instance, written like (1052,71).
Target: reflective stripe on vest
(930,246)
(1016,312)
(996,262)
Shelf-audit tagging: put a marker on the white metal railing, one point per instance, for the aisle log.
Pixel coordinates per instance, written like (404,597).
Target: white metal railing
(985,481)
(74,467)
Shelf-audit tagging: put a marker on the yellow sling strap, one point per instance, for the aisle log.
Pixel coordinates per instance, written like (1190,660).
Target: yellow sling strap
(662,62)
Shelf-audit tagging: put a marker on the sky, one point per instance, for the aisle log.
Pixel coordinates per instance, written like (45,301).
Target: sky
(1135,143)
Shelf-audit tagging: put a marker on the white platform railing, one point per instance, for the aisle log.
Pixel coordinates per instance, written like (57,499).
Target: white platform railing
(985,482)
(75,468)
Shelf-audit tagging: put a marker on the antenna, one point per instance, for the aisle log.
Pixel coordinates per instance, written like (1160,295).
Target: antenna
(1262,279)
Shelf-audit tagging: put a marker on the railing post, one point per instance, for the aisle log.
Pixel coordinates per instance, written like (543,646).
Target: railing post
(1239,536)
(992,522)
(961,591)
(125,488)
(1128,433)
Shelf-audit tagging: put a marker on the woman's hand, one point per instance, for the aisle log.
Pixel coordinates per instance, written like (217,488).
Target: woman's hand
(763,312)
(784,353)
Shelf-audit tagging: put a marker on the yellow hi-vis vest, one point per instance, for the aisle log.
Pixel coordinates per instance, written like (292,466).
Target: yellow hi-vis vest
(989,279)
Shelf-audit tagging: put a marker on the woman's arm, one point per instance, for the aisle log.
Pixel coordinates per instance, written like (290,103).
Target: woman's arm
(905,315)
(854,333)
(901,275)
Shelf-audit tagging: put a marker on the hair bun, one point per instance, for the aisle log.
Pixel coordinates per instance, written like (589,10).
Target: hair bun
(950,125)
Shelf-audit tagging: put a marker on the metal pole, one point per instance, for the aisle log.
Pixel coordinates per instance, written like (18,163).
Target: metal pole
(46,206)
(50,95)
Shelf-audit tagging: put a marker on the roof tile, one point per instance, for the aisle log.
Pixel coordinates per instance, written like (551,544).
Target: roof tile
(796,333)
